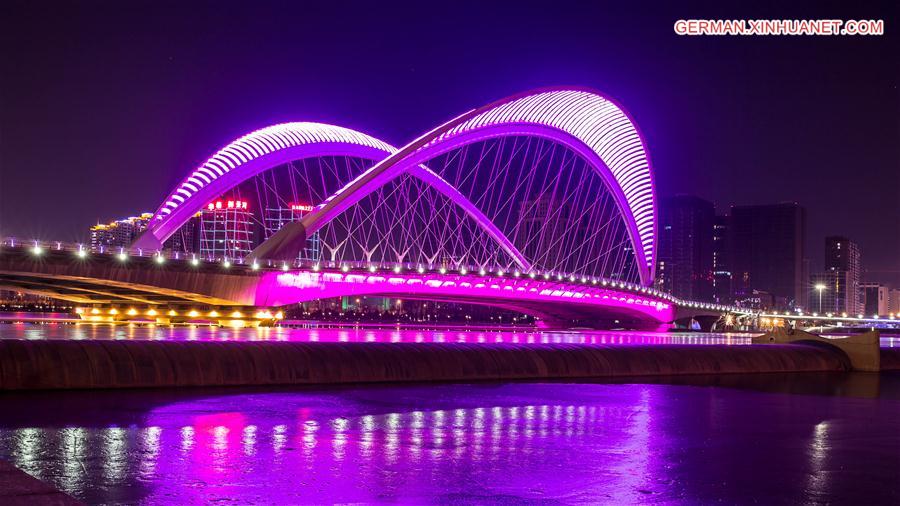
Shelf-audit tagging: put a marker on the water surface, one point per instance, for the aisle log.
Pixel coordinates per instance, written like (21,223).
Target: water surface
(769,439)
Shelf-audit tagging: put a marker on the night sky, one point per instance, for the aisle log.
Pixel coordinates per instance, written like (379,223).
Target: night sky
(104,106)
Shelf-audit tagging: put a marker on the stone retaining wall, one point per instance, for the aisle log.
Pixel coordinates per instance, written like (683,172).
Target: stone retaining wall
(136,364)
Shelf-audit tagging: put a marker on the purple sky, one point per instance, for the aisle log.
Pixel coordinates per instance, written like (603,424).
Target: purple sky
(105,106)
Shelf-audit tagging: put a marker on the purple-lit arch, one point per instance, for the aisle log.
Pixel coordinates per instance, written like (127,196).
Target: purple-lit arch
(276,145)
(591,125)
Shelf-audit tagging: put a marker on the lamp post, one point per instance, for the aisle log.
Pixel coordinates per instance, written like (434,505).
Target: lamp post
(820,288)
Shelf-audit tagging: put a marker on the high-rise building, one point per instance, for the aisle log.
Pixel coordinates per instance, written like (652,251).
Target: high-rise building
(894,302)
(118,234)
(686,230)
(121,233)
(663,281)
(722,292)
(824,293)
(768,252)
(277,217)
(842,257)
(876,299)
(186,239)
(226,229)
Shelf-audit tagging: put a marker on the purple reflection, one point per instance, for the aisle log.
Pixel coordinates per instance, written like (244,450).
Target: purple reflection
(362,334)
(568,443)
(339,450)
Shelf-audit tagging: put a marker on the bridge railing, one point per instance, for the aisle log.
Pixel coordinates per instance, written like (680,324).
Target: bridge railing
(84,251)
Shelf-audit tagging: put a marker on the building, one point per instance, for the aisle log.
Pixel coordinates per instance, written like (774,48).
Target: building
(824,290)
(722,290)
(876,299)
(842,257)
(756,300)
(277,217)
(663,281)
(894,302)
(118,234)
(768,252)
(543,224)
(226,229)
(186,239)
(121,233)
(686,237)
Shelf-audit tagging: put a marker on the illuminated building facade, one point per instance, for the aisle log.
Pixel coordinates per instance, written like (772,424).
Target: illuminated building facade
(226,229)
(842,257)
(721,256)
(277,217)
(185,239)
(119,233)
(824,293)
(894,301)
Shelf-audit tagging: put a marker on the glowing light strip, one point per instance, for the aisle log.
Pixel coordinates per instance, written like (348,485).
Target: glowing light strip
(275,289)
(598,123)
(589,123)
(260,143)
(248,151)
(582,115)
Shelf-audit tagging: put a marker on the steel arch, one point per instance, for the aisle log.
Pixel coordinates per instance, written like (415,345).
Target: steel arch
(272,146)
(595,127)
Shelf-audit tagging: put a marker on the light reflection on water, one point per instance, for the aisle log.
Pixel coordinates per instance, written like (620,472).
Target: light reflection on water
(569,443)
(104,331)
(359,334)
(252,455)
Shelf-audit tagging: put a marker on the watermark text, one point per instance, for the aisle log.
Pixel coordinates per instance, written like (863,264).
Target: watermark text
(750,27)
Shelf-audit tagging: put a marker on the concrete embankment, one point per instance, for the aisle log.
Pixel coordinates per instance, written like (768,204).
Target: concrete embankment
(61,364)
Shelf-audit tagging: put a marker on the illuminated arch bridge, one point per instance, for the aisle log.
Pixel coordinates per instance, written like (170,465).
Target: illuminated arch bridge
(555,179)
(543,202)
(548,181)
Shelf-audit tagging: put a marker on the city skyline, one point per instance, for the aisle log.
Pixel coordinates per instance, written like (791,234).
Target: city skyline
(707,132)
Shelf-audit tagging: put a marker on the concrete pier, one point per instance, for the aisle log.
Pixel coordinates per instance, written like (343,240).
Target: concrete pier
(863,350)
(61,364)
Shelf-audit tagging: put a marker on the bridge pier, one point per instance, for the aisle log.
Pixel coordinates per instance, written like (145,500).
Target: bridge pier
(863,350)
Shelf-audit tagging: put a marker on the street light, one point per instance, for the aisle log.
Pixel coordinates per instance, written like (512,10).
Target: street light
(820,288)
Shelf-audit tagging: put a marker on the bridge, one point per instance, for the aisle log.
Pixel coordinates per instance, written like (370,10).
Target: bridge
(542,202)
(113,286)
